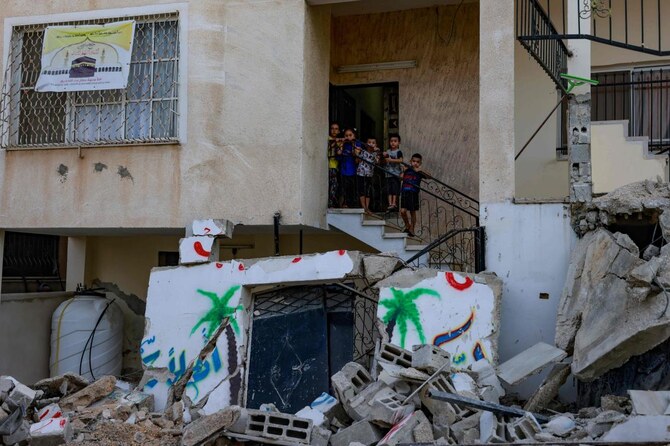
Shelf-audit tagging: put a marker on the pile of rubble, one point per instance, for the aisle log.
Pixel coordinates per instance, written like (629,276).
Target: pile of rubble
(411,397)
(67,409)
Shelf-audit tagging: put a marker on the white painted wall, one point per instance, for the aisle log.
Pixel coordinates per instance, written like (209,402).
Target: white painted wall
(529,247)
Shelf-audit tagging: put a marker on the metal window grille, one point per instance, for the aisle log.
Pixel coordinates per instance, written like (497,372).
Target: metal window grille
(332,298)
(144,112)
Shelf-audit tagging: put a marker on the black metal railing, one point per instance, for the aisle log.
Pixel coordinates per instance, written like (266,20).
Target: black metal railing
(630,24)
(30,263)
(533,28)
(639,96)
(447,229)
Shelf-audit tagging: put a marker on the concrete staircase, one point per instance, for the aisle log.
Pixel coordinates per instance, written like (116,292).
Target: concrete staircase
(382,235)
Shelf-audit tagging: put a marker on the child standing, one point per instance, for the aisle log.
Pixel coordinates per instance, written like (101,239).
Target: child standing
(334,143)
(366,166)
(347,159)
(409,199)
(393,159)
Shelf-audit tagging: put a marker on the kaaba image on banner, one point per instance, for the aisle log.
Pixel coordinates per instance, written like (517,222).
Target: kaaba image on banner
(83,67)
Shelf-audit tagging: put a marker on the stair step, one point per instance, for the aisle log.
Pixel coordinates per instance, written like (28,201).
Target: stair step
(395,235)
(374,223)
(346,211)
(412,247)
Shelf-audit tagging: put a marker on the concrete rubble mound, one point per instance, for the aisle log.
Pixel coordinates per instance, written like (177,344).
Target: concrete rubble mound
(417,397)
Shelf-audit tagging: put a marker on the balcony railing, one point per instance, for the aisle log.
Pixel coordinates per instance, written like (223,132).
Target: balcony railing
(447,221)
(640,96)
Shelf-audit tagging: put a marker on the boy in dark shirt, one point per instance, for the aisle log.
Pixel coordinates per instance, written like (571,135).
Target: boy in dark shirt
(409,193)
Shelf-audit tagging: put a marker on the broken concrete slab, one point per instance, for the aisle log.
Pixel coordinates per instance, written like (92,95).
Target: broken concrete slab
(90,394)
(184,344)
(646,402)
(208,426)
(362,432)
(596,299)
(19,436)
(21,396)
(441,306)
(51,432)
(529,362)
(378,267)
(640,429)
(211,227)
(489,385)
(198,249)
(62,385)
(549,388)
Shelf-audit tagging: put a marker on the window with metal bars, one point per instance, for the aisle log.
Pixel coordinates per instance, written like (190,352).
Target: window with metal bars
(144,112)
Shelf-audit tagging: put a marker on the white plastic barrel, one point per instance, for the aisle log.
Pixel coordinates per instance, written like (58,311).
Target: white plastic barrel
(72,341)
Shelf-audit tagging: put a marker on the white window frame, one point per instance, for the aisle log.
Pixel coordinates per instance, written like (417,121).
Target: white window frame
(182,63)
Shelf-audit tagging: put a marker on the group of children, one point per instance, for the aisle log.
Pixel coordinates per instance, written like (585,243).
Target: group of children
(351,167)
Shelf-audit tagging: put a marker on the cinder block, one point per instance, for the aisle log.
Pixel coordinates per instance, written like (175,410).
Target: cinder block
(491,430)
(362,432)
(460,428)
(20,396)
(429,358)
(359,407)
(523,428)
(446,412)
(388,410)
(350,381)
(273,425)
(395,355)
(403,432)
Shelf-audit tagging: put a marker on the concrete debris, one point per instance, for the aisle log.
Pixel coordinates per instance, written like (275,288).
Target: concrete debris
(641,429)
(90,394)
(646,402)
(529,362)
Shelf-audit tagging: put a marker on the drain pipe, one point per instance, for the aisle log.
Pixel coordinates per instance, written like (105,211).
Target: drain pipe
(276,219)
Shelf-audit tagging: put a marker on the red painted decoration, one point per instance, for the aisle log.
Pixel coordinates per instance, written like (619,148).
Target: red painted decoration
(197,246)
(207,230)
(296,260)
(342,252)
(219,265)
(458,285)
(240,267)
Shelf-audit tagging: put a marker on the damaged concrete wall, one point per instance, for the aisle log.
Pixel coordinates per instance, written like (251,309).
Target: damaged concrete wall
(459,313)
(186,345)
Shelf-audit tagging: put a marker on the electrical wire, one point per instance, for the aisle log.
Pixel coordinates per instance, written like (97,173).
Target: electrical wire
(447,41)
(90,339)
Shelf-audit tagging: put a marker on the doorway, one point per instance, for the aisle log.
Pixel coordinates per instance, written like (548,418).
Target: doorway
(373,109)
(302,335)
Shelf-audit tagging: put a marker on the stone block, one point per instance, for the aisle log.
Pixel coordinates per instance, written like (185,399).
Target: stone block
(581,192)
(350,381)
(580,153)
(529,362)
(212,228)
(394,355)
(51,432)
(6,386)
(320,436)
(523,428)
(20,396)
(198,249)
(429,358)
(378,267)
(89,395)
(48,412)
(273,426)
(362,432)
(20,435)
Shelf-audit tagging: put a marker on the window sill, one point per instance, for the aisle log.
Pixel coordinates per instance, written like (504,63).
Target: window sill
(175,142)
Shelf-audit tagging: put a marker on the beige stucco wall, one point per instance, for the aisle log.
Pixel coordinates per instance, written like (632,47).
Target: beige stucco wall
(538,175)
(618,160)
(126,261)
(439,99)
(257,80)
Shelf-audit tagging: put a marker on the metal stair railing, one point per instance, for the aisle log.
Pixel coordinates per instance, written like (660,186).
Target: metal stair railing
(447,231)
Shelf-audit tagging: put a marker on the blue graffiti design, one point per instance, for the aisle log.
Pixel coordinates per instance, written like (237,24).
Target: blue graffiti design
(460,359)
(450,335)
(478,352)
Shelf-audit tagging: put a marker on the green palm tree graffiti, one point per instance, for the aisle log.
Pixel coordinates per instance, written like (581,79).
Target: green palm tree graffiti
(402,309)
(219,311)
